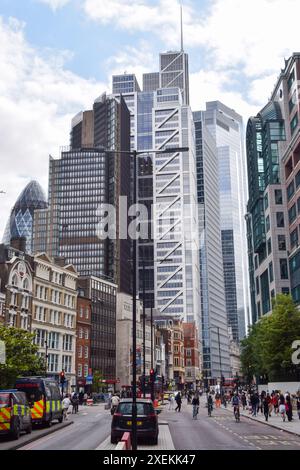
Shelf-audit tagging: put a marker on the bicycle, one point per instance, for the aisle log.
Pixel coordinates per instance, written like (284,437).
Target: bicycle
(236,412)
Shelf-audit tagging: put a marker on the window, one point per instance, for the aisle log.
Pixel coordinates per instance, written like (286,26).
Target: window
(52,362)
(79,371)
(86,333)
(284,269)
(81,312)
(290,190)
(297,179)
(86,370)
(87,313)
(269,246)
(280,219)
(257,285)
(292,214)
(68,343)
(258,310)
(67,364)
(86,352)
(294,238)
(266,202)
(271,273)
(292,102)
(294,123)
(278,196)
(80,352)
(53,341)
(298,205)
(291,80)
(80,333)
(285,290)
(281,243)
(267,223)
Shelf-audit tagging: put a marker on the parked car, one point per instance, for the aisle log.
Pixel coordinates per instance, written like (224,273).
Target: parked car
(15,414)
(147,421)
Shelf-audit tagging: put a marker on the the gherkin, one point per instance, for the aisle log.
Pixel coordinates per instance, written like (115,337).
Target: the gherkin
(20,222)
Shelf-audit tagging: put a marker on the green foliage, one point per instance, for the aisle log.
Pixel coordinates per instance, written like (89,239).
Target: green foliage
(21,356)
(97,381)
(268,348)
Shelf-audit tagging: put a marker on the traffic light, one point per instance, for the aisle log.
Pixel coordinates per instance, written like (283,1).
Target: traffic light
(152,375)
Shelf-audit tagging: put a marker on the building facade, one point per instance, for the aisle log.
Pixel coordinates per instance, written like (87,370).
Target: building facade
(178,353)
(191,355)
(16,274)
(54,316)
(226,126)
(214,322)
(124,340)
(165,326)
(83,342)
(21,220)
(103,295)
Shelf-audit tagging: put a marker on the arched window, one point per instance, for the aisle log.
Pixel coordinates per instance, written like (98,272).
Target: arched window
(26,284)
(15,281)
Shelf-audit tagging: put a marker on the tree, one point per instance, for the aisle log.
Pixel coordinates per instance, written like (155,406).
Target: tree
(21,356)
(267,351)
(97,381)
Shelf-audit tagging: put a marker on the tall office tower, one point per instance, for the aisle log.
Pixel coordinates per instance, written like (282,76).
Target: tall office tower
(23,214)
(176,237)
(82,130)
(268,241)
(79,182)
(226,126)
(150,81)
(215,339)
(174,72)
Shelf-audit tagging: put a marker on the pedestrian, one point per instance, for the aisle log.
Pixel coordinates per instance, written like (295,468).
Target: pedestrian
(298,404)
(266,408)
(244,400)
(171,401)
(75,403)
(269,401)
(289,407)
(196,404)
(178,401)
(282,408)
(218,400)
(65,406)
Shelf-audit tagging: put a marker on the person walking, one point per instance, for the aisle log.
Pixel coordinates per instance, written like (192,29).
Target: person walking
(171,401)
(244,400)
(209,404)
(289,407)
(178,400)
(298,404)
(266,408)
(75,403)
(65,406)
(218,400)
(196,404)
(282,408)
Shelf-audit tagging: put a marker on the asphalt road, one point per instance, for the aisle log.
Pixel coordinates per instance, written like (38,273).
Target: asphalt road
(91,427)
(221,432)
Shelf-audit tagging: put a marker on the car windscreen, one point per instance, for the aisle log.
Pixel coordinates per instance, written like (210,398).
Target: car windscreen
(4,400)
(143,409)
(33,394)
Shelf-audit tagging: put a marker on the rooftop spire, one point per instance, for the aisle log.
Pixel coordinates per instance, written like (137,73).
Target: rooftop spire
(181,27)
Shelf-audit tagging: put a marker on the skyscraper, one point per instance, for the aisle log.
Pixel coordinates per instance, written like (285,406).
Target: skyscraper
(21,220)
(214,323)
(84,178)
(176,243)
(226,126)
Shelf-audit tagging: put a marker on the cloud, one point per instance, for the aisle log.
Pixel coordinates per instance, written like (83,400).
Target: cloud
(38,98)
(54,4)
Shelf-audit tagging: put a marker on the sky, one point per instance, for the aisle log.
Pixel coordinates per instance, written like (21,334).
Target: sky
(57,57)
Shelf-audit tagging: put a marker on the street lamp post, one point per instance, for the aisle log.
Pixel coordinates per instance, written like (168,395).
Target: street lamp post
(135,154)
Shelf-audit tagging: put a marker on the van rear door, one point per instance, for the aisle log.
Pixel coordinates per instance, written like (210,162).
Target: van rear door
(5,411)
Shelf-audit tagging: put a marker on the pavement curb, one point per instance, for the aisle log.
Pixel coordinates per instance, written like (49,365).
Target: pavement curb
(36,438)
(267,423)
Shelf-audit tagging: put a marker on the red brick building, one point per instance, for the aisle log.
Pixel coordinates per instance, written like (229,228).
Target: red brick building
(83,342)
(191,354)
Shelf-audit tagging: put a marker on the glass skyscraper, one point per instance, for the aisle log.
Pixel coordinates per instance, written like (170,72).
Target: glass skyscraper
(21,220)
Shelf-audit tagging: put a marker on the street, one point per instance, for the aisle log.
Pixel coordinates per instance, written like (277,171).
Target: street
(220,432)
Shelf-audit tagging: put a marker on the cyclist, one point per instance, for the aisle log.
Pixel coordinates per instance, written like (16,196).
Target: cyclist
(209,404)
(236,406)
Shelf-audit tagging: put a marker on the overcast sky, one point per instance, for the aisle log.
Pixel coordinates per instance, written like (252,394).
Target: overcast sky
(57,56)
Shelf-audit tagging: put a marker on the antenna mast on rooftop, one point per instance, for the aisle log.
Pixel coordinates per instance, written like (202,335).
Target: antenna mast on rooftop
(181,27)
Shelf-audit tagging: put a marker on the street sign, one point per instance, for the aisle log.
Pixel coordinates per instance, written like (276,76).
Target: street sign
(89,380)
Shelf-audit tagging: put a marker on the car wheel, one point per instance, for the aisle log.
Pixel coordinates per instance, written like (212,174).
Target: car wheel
(49,422)
(17,430)
(29,429)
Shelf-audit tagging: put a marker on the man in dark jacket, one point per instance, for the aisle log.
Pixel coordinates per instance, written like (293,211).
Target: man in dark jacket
(178,401)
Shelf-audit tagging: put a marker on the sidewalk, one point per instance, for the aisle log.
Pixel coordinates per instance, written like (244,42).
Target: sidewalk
(164,441)
(292,427)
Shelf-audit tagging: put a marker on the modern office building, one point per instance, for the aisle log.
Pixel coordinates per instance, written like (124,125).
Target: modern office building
(176,238)
(214,322)
(103,295)
(80,182)
(226,126)
(267,216)
(21,220)
(174,73)
(54,316)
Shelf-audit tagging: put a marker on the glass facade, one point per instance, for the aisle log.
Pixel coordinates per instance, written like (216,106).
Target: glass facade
(21,221)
